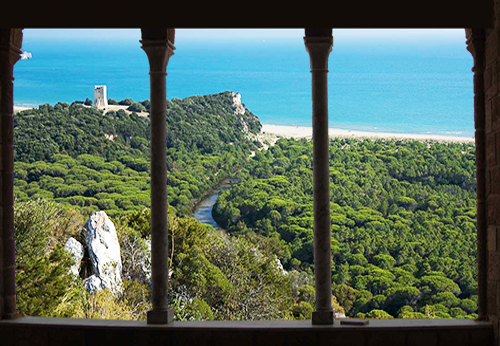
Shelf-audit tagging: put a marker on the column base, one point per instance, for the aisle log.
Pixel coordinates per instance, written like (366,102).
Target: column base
(13,316)
(322,317)
(160,316)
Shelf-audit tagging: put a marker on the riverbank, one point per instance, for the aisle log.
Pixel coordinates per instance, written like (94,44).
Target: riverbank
(298,132)
(203,209)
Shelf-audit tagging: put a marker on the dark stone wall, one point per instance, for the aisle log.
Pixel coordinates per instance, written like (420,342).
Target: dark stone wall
(491,61)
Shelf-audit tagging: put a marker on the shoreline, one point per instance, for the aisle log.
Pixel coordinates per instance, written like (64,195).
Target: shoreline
(104,109)
(272,133)
(20,108)
(298,132)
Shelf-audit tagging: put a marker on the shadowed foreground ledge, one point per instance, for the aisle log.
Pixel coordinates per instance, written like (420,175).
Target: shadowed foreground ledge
(88,332)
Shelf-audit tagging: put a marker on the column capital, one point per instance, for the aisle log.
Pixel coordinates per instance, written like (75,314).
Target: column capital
(476,45)
(10,51)
(319,48)
(159,52)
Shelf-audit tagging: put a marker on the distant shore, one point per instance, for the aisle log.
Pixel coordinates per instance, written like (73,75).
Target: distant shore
(298,132)
(104,109)
(272,133)
(20,109)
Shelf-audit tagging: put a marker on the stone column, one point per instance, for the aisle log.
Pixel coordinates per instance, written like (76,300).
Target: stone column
(10,53)
(159,52)
(319,48)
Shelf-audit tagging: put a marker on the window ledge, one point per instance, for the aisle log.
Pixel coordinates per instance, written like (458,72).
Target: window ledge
(304,324)
(89,332)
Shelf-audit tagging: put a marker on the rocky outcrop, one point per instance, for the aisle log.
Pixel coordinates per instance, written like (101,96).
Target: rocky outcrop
(146,263)
(239,109)
(279,266)
(75,249)
(92,284)
(103,250)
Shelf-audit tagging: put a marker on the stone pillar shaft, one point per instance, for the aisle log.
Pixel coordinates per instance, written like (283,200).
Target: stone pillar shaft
(9,55)
(159,238)
(159,51)
(319,49)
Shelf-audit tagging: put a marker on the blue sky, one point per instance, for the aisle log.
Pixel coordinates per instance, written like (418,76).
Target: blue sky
(257,34)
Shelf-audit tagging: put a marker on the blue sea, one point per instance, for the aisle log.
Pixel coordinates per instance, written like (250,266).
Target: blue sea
(404,86)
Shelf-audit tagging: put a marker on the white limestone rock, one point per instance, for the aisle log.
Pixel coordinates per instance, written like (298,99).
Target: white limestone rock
(146,263)
(92,284)
(264,138)
(104,250)
(75,249)
(239,111)
(239,108)
(279,266)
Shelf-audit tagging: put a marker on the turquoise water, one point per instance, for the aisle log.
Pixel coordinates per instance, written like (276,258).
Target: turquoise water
(406,87)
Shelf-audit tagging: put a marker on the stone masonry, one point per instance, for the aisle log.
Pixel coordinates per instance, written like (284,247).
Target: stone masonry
(484,46)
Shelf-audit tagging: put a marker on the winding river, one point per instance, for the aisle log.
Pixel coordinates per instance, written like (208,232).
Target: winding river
(203,211)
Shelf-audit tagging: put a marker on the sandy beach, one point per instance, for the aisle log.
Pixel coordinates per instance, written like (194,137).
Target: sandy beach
(306,132)
(20,109)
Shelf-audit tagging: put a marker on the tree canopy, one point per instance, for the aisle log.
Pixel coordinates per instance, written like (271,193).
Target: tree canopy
(403,218)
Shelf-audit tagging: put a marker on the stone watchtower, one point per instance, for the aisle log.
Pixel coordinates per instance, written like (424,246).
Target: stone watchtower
(100,98)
